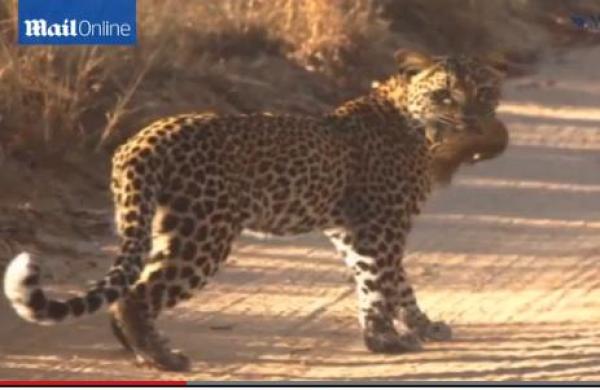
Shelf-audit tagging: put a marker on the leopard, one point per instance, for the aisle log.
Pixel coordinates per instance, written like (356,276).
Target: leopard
(185,187)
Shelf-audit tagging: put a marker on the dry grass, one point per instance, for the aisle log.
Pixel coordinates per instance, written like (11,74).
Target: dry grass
(232,56)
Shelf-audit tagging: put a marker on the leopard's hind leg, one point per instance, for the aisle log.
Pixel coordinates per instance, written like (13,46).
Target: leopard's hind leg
(188,248)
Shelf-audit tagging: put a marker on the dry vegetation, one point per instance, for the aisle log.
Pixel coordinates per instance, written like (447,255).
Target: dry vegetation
(237,56)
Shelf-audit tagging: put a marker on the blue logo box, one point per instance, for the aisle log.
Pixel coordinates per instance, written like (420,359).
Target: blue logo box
(77,22)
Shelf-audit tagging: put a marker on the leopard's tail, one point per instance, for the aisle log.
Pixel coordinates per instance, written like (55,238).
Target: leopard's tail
(134,216)
(23,288)
(22,280)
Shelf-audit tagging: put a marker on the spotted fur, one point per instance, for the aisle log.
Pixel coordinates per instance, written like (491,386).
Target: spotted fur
(186,186)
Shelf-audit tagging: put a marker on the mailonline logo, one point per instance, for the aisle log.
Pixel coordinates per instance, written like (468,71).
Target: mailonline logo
(77,22)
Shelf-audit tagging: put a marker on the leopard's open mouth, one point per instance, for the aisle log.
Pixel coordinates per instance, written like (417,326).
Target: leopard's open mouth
(464,124)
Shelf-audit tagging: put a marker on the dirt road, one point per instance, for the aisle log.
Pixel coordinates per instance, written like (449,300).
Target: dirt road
(509,255)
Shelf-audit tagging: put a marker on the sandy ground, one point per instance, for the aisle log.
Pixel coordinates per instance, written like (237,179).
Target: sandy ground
(509,255)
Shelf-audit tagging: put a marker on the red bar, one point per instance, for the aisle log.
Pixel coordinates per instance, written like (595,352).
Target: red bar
(91,383)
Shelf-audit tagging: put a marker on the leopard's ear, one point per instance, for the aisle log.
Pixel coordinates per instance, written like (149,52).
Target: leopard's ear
(411,62)
(497,64)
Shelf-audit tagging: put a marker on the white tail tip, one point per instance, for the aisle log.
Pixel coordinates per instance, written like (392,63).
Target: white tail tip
(20,278)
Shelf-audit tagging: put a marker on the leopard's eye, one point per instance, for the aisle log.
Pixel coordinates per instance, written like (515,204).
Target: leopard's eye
(442,96)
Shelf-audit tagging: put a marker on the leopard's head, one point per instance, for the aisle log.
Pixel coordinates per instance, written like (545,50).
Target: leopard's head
(446,94)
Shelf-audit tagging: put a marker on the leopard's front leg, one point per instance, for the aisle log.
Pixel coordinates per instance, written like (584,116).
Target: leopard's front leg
(405,308)
(413,317)
(375,273)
